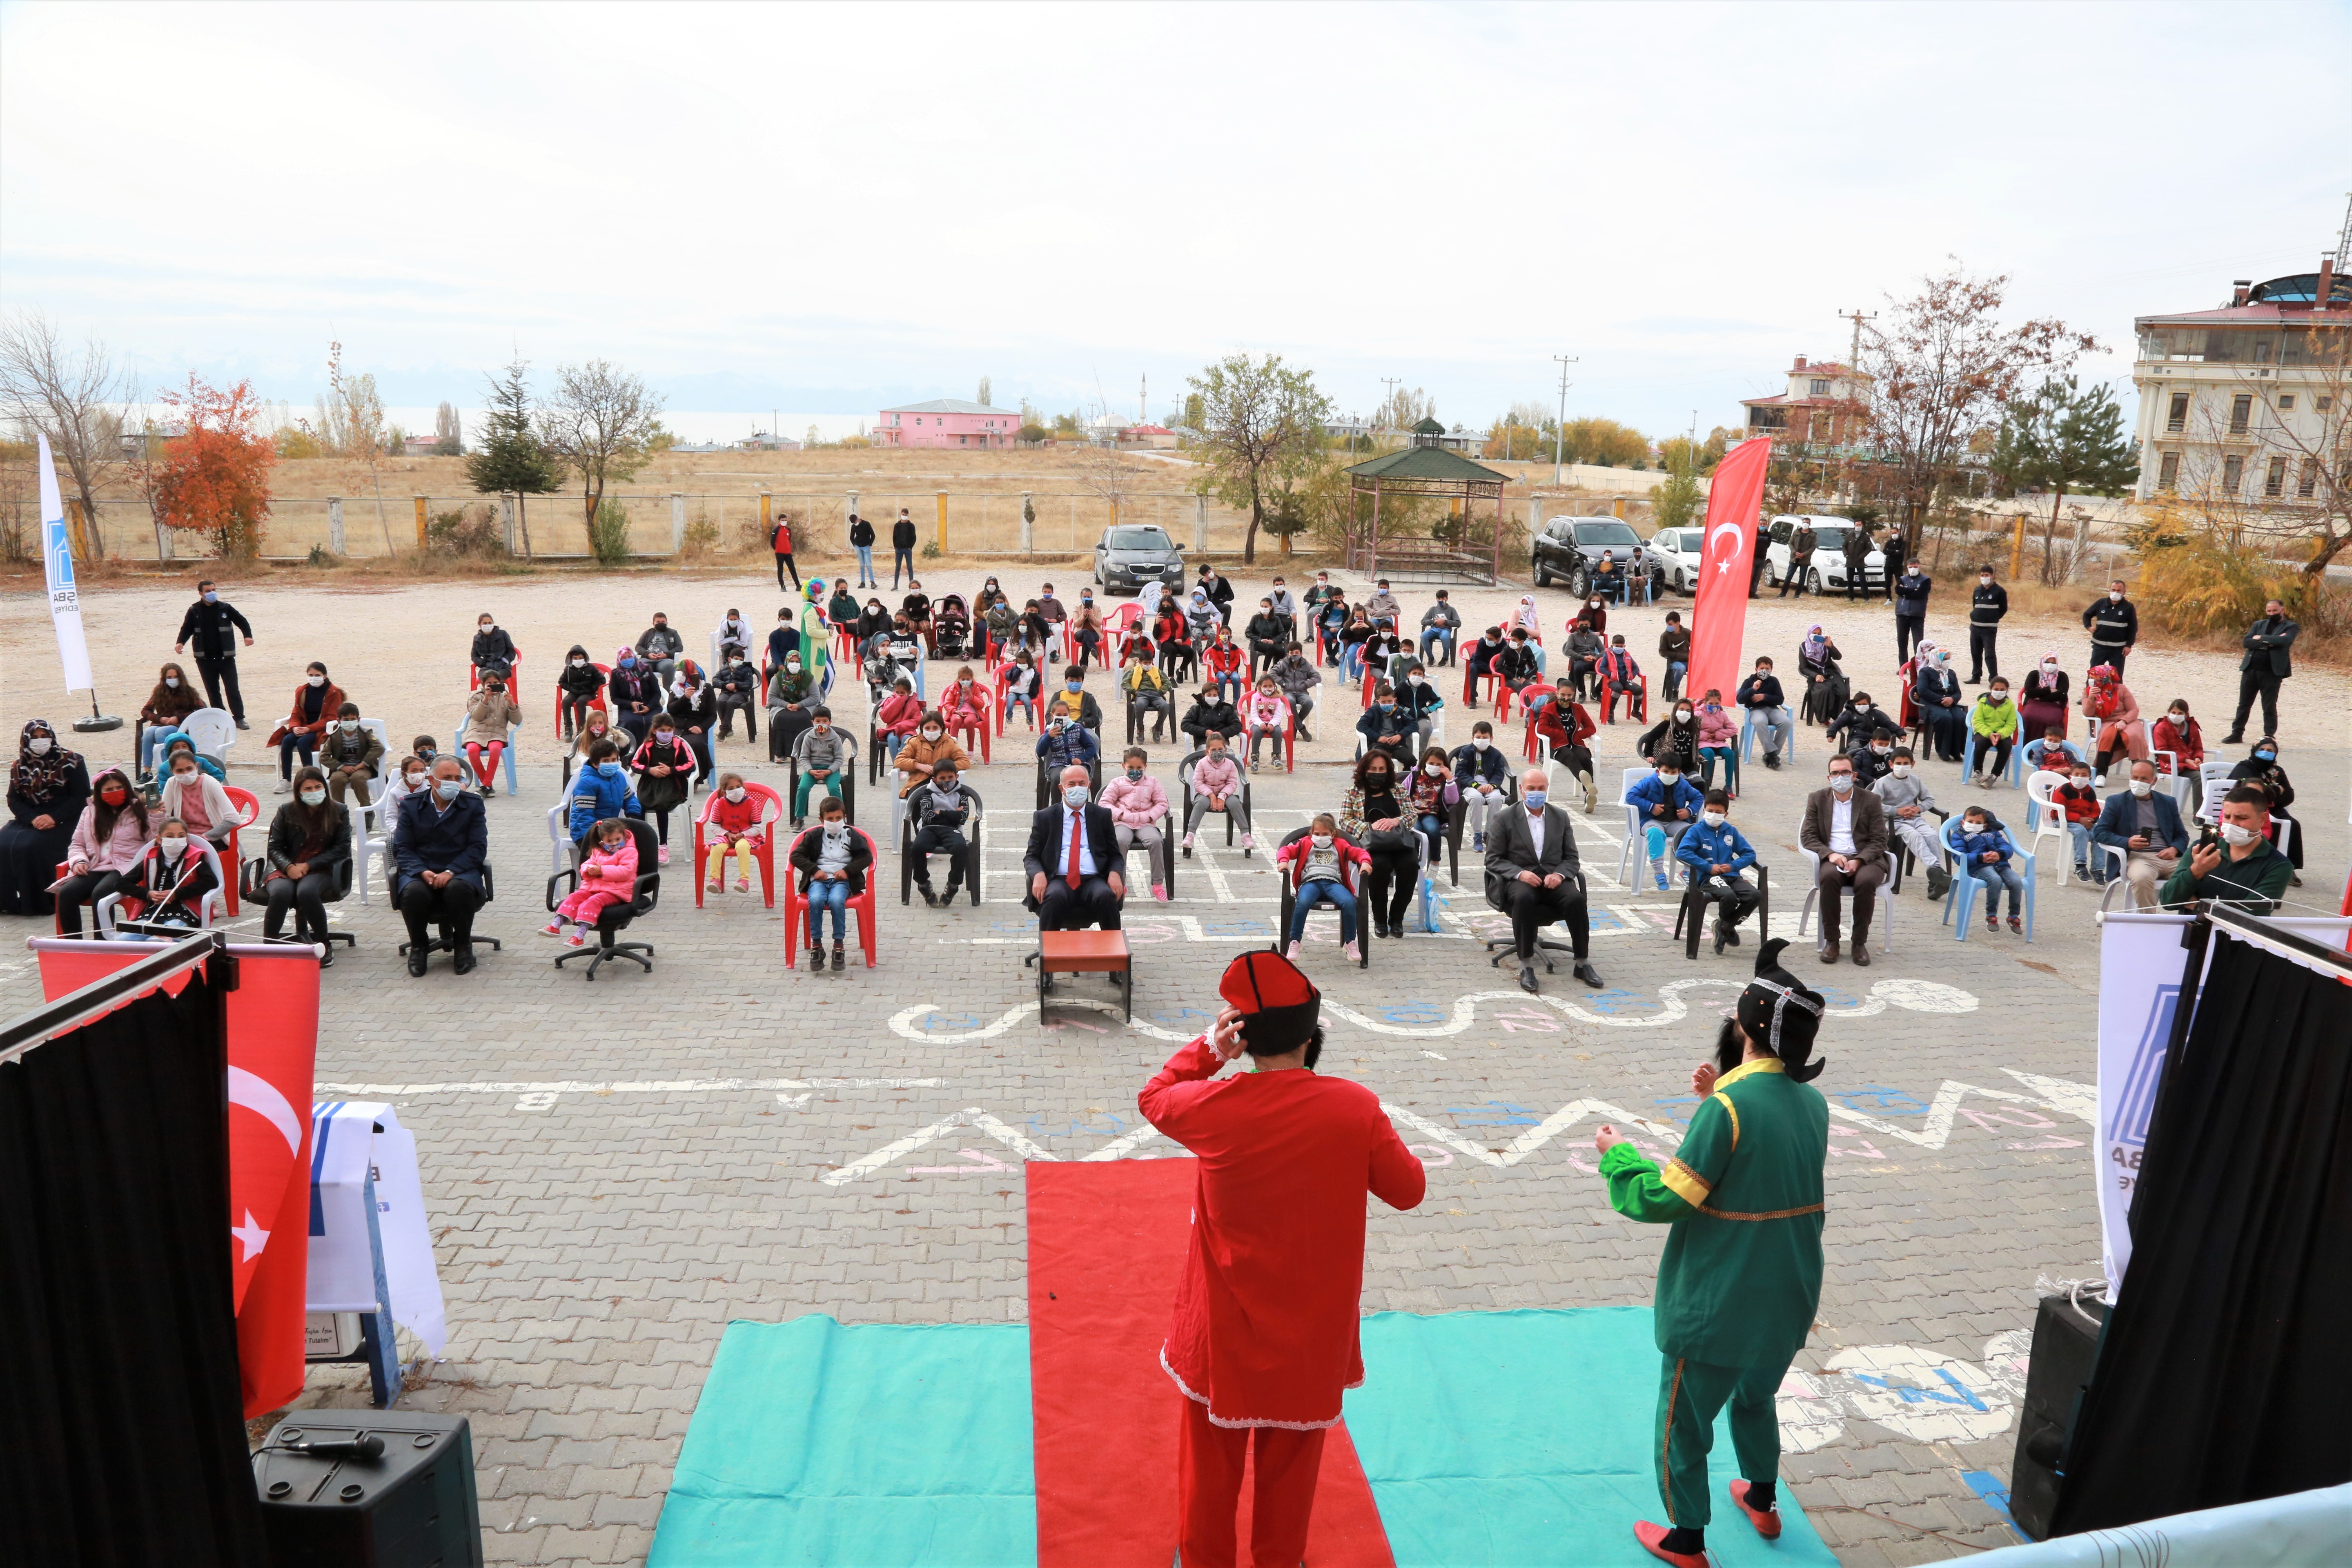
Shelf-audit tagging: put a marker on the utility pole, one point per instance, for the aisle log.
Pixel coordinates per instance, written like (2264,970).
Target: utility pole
(1854,356)
(1559,430)
(1389,406)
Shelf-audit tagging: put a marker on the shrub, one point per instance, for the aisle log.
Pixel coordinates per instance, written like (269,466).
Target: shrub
(701,536)
(608,534)
(472,529)
(2198,577)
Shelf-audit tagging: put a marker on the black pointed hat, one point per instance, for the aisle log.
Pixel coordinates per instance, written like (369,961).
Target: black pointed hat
(1780,1014)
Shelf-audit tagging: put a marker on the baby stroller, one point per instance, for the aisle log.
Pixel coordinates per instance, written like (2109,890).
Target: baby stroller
(951,627)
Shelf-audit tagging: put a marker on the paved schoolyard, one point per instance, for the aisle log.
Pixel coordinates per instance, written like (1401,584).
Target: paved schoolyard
(614,1171)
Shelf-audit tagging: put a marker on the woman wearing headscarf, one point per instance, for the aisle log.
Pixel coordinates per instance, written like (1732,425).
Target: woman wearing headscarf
(635,691)
(105,849)
(1825,686)
(2261,770)
(2043,701)
(47,788)
(1740,1278)
(695,708)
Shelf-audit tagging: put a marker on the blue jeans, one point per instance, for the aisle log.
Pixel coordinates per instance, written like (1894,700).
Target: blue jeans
(151,741)
(1441,635)
(865,564)
(305,744)
(1676,672)
(823,896)
(1337,897)
(1995,877)
(905,558)
(1433,827)
(1351,661)
(2080,833)
(1230,683)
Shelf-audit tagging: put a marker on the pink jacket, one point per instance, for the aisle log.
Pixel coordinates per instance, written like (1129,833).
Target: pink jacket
(956,702)
(1135,802)
(1717,729)
(1260,711)
(1216,774)
(901,711)
(616,869)
(122,848)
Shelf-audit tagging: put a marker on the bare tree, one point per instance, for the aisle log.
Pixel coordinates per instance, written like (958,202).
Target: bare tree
(352,426)
(69,397)
(602,424)
(449,432)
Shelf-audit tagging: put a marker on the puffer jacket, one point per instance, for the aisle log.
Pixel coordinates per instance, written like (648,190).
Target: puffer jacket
(1716,727)
(1134,803)
(487,717)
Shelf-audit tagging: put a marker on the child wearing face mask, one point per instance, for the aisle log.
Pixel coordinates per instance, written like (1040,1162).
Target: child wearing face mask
(1989,855)
(491,716)
(1718,740)
(832,860)
(2052,752)
(2178,734)
(1675,736)
(348,756)
(1137,803)
(732,818)
(1265,716)
(172,879)
(1481,773)
(577,688)
(898,715)
(316,702)
(1715,854)
(2079,804)
(494,651)
(309,839)
(1021,687)
(1216,786)
(665,769)
(1995,722)
(1668,805)
(1223,657)
(607,877)
(193,798)
(1324,869)
(930,748)
(601,790)
(822,756)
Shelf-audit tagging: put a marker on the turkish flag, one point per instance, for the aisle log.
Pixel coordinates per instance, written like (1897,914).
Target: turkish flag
(1720,608)
(273,1040)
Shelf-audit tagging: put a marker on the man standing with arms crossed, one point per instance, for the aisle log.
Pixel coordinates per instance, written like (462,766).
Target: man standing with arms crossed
(1264,1337)
(1741,1274)
(1987,605)
(2267,662)
(208,622)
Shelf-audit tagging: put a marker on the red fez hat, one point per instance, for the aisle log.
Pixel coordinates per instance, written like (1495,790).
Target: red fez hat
(1279,1006)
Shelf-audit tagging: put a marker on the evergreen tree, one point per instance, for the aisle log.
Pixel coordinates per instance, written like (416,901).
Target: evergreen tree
(511,457)
(2063,438)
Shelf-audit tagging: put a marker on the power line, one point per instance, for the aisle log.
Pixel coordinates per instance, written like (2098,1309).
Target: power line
(1559,430)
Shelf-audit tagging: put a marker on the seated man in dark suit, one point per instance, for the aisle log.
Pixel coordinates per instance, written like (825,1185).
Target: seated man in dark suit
(2144,823)
(438,850)
(1073,861)
(1532,853)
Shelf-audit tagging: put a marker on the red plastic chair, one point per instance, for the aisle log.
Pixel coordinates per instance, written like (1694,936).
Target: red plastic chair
(1289,736)
(862,906)
(514,674)
(1122,620)
(606,670)
(1609,703)
(248,811)
(964,729)
(763,846)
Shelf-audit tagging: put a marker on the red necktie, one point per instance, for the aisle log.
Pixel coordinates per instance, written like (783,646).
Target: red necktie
(1078,832)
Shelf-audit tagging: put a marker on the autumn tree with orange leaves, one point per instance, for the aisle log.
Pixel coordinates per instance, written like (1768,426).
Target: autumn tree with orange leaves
(215,476)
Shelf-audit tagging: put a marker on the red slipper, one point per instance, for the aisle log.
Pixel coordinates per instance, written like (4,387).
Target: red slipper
(1767,1523)
(1649,1535)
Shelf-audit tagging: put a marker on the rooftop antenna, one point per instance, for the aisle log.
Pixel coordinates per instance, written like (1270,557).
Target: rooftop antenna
(2344,242)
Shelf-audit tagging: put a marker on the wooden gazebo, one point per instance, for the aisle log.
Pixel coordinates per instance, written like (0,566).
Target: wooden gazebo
(1461,547)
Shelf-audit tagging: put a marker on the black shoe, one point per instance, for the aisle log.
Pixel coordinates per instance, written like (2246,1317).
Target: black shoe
(1528,978)
(931,894)
(1722,935)
(839,962)
(327,957)
(1380,928)
(416,960)
(243,725)
(462,961)
(1772,760)
(949,898)
(1589,975)
(2234,738)
(1731,934)
(816,957)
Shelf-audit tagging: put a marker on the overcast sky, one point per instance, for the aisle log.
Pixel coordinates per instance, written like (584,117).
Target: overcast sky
(829,209)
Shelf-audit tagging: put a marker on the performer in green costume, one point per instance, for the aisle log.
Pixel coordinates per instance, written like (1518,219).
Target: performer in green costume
(1741,1273)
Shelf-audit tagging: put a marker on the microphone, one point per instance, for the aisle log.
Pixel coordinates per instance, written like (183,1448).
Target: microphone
(365,1445)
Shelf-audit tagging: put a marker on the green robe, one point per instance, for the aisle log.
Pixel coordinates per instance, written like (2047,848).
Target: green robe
(1741,1273)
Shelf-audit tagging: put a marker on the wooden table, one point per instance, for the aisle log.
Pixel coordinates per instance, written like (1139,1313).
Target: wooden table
(1084,952)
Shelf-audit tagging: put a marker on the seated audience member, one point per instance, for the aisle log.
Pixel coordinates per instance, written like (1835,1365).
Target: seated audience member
(579,687)
(1717,854)
(1987,854)
(899,714)
(1845,828)
(1609,578)
(665,768)
(1073,861)
(873,620)
(1936,694)
(1211,714)
(1767,706)
(1519,664)
(930,749)
(2144,823)
(1002,624)
(784,638)
(1440,624)
(732,826)
(1353,636)
(1994,722)
(2261,770)
(1621,676)
(316,702)
(1386,728)
(2042,700)
(825,755)
(1859,720)
(193,799)
(1382,605)
(1668,804)
(1138,803)
(1217,786)
(413,777)
(172,879)
(608,876)
(1080,700)
(1427,785)
(1267,634)
(1418,700)
(438,853)
(1324,869)
(1265,715)
(1479,662)
(491,716)
(1480,772)
(601,790)
(348,756)
(493,652)
(309,839)
(1564,727)
(1067,743)
(1295,674)
(48,785)
(1174,636)
(1585,648)
(1021,688)
(1146,685)
(792,697)
(660,646)
(1380,654)
(1223,660)
(1532,865)
(171,703)
(1872,760)
(107,844)
(1904,799)
(2179,735)
(735,687)
(1593,613)
(636,693)
(1718,740)
(1330,621)
(1377,813)
(694,707)
(2079,806)
(2117,728)
(833,863)
(964,703)
(2052,752)
(2240,867)
(1675,735)
(939,811)
(1087,629)
(1674,651)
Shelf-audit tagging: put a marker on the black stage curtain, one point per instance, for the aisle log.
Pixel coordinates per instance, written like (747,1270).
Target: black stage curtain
(2226,1371)
(123,1425)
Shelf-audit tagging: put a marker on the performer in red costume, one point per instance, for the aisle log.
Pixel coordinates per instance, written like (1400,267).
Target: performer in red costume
(1264,1337)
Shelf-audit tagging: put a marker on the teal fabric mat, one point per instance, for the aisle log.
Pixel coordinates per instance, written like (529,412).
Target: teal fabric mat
(884,1447)
(1517,1440)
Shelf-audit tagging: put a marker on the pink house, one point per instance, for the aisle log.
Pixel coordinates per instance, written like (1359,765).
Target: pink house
(947,422)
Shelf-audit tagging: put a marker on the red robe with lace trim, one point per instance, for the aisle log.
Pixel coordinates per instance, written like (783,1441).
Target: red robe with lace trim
(1265,1330)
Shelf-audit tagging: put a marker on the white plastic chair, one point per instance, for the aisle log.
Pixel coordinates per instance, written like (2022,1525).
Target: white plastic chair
(370,836)
(213,730)
(1636,836)
(1885,902)
(2215,779)
(208,907)
(2049,819)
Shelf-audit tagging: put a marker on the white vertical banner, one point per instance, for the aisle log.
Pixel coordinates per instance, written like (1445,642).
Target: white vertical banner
(56,552)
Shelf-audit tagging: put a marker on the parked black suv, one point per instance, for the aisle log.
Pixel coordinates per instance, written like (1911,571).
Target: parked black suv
(1568,547)
(1131,555)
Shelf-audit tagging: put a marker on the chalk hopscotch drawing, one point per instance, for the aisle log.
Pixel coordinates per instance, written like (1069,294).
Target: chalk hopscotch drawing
(1916,1394)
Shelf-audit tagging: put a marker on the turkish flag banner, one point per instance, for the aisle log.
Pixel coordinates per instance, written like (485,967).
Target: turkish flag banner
(1720,608)
(273,1040)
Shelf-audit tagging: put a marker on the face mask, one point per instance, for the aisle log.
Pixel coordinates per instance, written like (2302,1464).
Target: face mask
(416,779)
(1074,685)
(172,683)
(1903,770)
(664,736)
(1433,770)
(1073,797)
(2265,756)
(172,845)
(2142,787)
(836,830)
(1321,840)
(317,679)
(2114,594)
(1985,581)
(2082,780)
(2049,666)
(490,626)
(1669,781)
(608,769)
(348,726)
(114,795)
(1682,715)
(1481,742)
(825,726)
(1973,829)
(1842,783)
(1377,778)
(1942,658)
(930,735)
(792,664)
(39,745)
(1534,798)
(446,788)
(313,796)
(2179,717)
(1861,706)
(1880,751)
(2238,837)
(1713,819)
(627,660)
(1386,706)
(211,597)
(579,664)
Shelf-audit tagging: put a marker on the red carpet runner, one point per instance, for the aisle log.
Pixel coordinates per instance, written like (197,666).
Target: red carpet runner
(1105,1244)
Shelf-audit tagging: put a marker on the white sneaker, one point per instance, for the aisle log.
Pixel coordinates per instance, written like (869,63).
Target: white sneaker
(1188,837)
(1292,952)
(283,786)
(1351,950)
(1249,841)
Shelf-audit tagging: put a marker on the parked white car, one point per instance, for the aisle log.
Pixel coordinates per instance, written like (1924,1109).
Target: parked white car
(1674,556)
(1828,569)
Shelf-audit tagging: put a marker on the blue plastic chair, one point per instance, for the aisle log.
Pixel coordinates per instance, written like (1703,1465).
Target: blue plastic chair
(1960,903)
(2017,768)
(1748,736)
(457,749)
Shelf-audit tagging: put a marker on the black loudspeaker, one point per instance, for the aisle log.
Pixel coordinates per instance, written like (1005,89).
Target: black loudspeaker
(389,1488)
(2065,1343)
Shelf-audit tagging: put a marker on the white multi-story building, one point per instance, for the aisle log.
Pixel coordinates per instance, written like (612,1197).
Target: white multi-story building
(2246,403)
